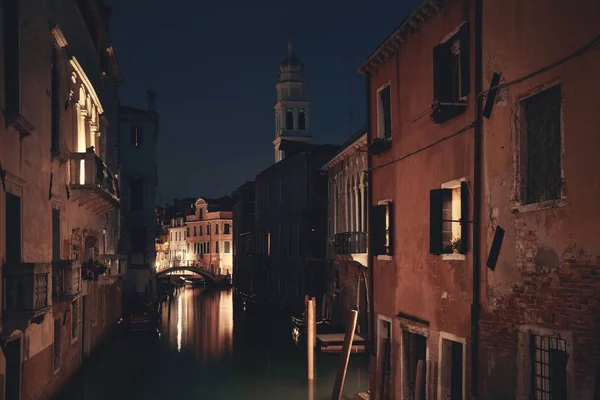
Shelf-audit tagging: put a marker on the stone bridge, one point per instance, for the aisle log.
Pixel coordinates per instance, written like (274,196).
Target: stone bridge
(206,274)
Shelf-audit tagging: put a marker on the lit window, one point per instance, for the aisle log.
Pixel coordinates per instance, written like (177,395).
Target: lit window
(448,230)
(381,229)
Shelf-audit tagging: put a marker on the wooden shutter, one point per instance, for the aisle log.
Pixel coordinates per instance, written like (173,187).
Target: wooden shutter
(377,235)
(465,79)
(438,64)
(390,210)
(464,218)
(436,198)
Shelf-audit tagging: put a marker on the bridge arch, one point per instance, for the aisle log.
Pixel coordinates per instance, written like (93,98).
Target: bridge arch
(209,276)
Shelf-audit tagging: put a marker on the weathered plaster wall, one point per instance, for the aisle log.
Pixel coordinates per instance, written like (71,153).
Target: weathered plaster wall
(547,273)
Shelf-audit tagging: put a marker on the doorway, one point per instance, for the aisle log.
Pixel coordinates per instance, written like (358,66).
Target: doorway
(13,369)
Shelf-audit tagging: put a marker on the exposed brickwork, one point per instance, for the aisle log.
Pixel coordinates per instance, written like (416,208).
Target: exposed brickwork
(349,292)
(562,300)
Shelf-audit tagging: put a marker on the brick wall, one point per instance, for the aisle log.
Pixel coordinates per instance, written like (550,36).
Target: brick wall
(562,300)
(349,279)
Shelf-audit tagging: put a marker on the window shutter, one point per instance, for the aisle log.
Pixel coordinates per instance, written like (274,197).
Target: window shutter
(438,64)
(464,218)
(465,79)
(377,235)
(390,210)
(436,197)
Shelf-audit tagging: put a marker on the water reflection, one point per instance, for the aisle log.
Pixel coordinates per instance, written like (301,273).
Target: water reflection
(204,323)
(202,355)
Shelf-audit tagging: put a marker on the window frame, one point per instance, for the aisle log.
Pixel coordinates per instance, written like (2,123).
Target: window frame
(380,115)
(436,203)
(517,203)
(440,383)
(375,248)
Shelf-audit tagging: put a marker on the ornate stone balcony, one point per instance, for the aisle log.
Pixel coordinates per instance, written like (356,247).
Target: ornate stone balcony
(66,280)
(94,185)
(27,289)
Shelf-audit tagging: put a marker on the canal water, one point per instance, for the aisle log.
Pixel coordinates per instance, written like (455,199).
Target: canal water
(212,346)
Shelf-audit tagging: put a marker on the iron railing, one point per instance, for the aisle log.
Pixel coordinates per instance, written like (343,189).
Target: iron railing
(350,242)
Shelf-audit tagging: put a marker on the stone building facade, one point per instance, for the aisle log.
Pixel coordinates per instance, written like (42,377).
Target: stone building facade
(347,233)
(138,136)
(60,197)
(209,235)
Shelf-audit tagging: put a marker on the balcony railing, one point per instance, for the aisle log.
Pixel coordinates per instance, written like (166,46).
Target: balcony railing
(27,288)
(350,243)
(66,280)
(98,186)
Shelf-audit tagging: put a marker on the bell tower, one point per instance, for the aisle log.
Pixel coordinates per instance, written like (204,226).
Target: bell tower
(292,111)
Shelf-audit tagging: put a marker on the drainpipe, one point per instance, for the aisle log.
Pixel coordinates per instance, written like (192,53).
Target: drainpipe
(477,178)
(368,227)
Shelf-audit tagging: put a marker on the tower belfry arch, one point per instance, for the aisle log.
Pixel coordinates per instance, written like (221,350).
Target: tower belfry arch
(292,110)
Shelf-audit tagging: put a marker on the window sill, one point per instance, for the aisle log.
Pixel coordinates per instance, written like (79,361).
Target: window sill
(453,256)
(384,258)
(20,123)
(517,208)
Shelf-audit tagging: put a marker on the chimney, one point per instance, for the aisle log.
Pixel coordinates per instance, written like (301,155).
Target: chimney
(151,98)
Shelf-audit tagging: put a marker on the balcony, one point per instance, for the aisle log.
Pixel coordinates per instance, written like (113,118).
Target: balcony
(93,184)
(66,280)
(351,243)
(27,290)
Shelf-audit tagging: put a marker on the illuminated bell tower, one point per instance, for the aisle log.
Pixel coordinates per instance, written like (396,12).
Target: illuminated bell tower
(292,111)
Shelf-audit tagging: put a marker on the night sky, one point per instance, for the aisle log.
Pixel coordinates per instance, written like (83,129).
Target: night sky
(214,66)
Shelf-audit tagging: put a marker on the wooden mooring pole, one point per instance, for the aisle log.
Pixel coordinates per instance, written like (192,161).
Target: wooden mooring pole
(340,378)
(310,325)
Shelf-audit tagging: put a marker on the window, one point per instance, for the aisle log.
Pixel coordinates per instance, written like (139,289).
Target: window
(217,247)
(55,234)
(540,147)
(200,213)
(208,229)
(548,367)
(136,136)
(74,319)
(382,229)
(188,231)
(384,113)
(449,218)
(302,121)
(227,249)
(55,102)
(217,228)
(451,82)
(137,194)
(227,229)
(200,228)
(194,230)
(138,239)
(12,56)
(289,121)
(13,228)
(56,348)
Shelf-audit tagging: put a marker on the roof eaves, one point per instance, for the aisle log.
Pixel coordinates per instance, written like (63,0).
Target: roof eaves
(410,25)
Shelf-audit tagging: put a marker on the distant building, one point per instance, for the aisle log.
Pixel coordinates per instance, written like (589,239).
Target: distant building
(291,224)
(177,242)
(209,235)
(347,232)
(243,238)
(138,131)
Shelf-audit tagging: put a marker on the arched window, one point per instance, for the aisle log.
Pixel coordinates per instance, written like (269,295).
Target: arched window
(289,120)
(302,121)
